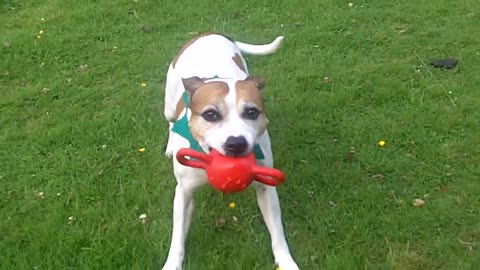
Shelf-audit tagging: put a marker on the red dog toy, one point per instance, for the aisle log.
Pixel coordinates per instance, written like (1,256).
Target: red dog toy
(230,174)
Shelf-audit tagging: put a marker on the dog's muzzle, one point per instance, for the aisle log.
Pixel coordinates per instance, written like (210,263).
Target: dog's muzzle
(235,146)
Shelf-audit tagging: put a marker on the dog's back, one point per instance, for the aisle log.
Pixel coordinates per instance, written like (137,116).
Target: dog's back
(208,56)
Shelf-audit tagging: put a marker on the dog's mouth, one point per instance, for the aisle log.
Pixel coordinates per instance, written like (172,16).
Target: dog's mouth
(238,155)
(226,153)
(229,154)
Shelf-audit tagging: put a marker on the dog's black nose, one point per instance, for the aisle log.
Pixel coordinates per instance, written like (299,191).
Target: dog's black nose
(235,146)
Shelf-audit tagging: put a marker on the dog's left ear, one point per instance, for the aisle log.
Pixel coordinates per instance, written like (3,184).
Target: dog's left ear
(192,84)
(259,81)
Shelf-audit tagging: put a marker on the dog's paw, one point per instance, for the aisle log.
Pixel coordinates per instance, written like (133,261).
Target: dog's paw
(169,153)
(288,266)
(170,144)
(172,266)
(286,262)
(169,150)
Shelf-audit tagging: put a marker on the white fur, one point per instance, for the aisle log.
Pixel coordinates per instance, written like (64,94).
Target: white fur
(207,57)
(260,49)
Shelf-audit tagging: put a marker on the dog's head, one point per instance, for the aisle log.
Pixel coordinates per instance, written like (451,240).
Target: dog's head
(227,116)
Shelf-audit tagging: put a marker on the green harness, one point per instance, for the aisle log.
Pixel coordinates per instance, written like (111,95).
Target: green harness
(181,128)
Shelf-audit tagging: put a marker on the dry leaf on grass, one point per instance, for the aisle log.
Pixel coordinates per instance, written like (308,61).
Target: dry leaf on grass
(378,176)
(219,223)
(351,154)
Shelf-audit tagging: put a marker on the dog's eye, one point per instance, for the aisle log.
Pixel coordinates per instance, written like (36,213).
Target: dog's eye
(251,113)
(212,116)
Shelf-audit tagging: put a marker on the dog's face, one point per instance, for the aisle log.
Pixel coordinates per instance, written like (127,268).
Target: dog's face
(227,117)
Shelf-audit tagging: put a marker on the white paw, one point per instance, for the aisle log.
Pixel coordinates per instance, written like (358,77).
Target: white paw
(171,265)
(169,148)
(286,262)
(169,153)
(288,266)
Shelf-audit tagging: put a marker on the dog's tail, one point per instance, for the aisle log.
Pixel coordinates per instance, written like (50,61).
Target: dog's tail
(265,49)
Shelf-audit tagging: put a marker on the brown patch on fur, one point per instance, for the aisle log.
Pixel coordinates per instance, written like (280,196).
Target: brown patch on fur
(190,42)
(238,61)
(181,105)
(259,81)
(248,92)
(179,108)
(209,94)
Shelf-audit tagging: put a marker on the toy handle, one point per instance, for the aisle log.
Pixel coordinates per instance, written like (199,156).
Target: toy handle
(268,176)
(201,160)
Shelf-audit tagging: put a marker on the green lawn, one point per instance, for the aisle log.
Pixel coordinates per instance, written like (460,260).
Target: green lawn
(73,114)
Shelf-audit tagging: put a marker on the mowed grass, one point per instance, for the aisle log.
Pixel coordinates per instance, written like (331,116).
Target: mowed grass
(74,114)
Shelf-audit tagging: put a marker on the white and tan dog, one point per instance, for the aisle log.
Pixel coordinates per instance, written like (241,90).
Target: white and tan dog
(209,89)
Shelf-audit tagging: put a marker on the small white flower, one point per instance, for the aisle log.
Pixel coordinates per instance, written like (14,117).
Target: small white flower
(104,146)
(350,4)
(143,218)
(71,220)
(58,194)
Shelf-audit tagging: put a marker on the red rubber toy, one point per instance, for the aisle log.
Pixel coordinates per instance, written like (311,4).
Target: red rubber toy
(230,174)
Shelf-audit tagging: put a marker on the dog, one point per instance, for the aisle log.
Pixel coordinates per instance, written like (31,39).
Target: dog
(211,102)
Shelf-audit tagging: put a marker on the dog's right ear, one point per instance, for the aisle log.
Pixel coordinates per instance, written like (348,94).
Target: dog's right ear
(192,84)
(259,81)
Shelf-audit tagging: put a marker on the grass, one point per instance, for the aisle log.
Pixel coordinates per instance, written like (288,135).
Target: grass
(74,114)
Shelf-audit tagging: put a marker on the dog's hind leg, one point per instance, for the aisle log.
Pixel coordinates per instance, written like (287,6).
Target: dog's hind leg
(170,143)
(269,204)
(170,104)
(171,94)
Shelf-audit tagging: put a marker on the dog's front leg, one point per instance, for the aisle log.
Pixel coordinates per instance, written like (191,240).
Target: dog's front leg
(269,204)
(182,216)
